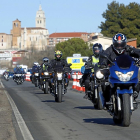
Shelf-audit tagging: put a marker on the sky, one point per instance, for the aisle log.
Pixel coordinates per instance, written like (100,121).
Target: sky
(61,15)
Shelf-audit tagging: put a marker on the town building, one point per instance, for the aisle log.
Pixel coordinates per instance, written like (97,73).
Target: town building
(5,41)
(55,38)
(29,38)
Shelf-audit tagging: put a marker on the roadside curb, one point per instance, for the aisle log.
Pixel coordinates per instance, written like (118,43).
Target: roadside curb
(7,130)
(23,128)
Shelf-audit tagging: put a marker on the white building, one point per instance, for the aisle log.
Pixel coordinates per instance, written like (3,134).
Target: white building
(40,18)
(31,37)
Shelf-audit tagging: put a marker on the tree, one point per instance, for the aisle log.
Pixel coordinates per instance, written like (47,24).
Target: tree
(74,45)
(123,19)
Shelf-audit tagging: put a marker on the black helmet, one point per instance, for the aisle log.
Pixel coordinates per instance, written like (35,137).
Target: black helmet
(97,49)
(45,60)
(119,43)
(58,54)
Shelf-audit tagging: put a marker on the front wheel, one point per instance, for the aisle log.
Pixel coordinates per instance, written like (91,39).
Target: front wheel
(126,112)
(46,88)
(37,83)
(100,93)
(59,94)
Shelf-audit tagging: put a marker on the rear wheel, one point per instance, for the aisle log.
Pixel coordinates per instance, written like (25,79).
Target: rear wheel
(117,121)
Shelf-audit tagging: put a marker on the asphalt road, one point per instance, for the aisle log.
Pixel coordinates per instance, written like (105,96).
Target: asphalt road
(73,119)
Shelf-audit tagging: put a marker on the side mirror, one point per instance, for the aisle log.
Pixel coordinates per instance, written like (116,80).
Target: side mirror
(69,64)
(84,60)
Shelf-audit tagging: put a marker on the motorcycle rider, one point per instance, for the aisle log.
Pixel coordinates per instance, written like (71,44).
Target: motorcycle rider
(19,70)
(6,74)
(92,60)
(34,68)
(119,47)
(45,65)
(59,62)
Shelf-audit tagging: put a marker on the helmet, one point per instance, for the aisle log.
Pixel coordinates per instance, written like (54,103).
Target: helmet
(97,49)
(58,54)
(36,64)
(119,43)
(18,66)
(45,60)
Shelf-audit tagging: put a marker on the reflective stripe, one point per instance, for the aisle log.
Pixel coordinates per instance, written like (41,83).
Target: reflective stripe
(44,67)
(94,61)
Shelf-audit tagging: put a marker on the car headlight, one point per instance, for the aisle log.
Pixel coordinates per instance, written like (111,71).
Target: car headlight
(59,75)
(36,74)
(46,73)
(99,75)
(124,77)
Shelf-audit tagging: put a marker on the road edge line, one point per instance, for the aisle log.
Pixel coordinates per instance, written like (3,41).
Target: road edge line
(21,123)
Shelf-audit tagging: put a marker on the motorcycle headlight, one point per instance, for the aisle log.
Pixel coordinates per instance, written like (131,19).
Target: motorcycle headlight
(36,74)
(124,77)
(59,75)
(46,73)
(99,75)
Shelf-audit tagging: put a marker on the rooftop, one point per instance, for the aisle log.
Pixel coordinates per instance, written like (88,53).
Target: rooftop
(68,34)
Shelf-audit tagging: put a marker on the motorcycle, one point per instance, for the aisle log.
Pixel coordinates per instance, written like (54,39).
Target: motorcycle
(95,92)
(45,78)
(123,81)
(6,76)
(18,78)
(59,87)
(35,78)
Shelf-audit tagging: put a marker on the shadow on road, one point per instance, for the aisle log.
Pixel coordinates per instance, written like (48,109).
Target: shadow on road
(84,107)
(104,121)
(50,101)
(39,93)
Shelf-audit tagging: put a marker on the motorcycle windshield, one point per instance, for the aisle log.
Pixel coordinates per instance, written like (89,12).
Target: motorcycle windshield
(124,61)
(36,70)
(47,69)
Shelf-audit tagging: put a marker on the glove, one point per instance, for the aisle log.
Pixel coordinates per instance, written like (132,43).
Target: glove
(102,66)
(129,49)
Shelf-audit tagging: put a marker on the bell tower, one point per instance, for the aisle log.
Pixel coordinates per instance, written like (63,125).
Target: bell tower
(40,18)
(16,32)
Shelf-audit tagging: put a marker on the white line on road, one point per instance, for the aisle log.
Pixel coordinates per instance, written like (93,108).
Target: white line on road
(23,127)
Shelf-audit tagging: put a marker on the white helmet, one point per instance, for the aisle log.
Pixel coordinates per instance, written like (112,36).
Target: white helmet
(36,63)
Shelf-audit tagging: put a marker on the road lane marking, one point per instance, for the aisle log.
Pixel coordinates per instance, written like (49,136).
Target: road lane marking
(23,127)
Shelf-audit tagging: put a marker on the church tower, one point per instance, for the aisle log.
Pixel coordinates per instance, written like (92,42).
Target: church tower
(40,18)
(16,32)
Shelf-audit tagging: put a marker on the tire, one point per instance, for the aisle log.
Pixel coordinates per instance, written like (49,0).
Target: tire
(56,99)
(126,113)
(46,88)
(99,102)
(36,83)
(59,94)
(117,121)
